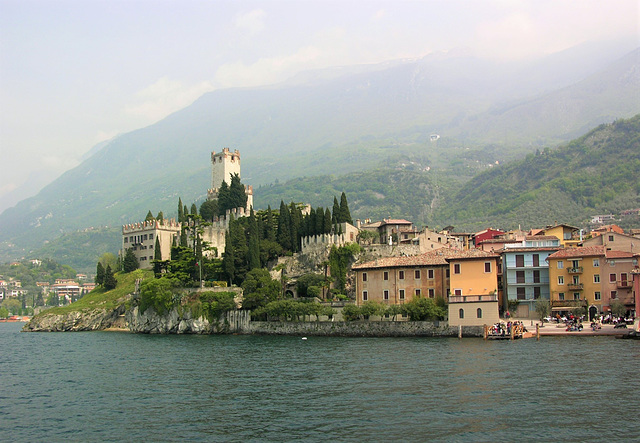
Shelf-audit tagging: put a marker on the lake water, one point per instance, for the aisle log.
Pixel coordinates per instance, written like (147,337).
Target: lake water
(110,386)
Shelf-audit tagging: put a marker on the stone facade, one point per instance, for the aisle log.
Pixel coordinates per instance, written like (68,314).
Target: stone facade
(141,238)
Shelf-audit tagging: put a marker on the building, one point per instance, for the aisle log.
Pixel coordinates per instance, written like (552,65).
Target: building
(396,280)
(568,235)
(615,241)
(595,275)
(473,282)
(526,272)
(395,231)
(141,238)
(487,234)
(67,289)
(223,165)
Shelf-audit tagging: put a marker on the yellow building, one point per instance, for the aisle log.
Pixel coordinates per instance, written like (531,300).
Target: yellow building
(569,236)
(473,281)
(575,275)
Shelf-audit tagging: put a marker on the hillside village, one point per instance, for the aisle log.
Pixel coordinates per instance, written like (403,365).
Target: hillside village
(482,275)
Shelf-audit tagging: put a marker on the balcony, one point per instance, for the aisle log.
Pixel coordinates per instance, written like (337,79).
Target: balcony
(624,284)
(472,298)
(575,270)
(575,286)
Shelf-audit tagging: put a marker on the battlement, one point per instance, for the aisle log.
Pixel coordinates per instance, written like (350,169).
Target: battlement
(169,225)
(226,153)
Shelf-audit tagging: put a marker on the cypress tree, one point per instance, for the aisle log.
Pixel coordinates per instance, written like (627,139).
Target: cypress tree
(157,253)
(185,210)
(319,221)
(237,194)
(284,225)
(224,198)
(160,217)
(180,211)
(345,215)
(327,221)
(254,242)
(183,238)
(269,226)
(99,274)
(149,216)
(130,261)
(311,222)
(194,209)
(228,259)
(110,281)
(294,214)
(336,211)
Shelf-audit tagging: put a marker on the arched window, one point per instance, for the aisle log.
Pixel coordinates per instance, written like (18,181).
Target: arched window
(461,313)
(479,313)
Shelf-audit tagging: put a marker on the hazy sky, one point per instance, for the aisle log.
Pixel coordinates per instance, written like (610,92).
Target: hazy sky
(74,73)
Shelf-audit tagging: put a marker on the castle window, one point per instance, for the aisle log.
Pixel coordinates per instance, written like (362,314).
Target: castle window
(479,313)
(126,240)
(364,276)
(461,313)
(365,295)
(401,294)
(146,237)
(150,236)
(385,294)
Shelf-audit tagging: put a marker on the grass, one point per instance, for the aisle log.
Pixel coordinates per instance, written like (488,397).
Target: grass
(100,298)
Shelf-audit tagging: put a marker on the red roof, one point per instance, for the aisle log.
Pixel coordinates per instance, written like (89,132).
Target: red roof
(583,251)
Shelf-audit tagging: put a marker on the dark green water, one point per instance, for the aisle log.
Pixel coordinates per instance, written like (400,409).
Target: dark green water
(108,386)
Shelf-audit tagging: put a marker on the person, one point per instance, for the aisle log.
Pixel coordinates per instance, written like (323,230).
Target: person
(507,315)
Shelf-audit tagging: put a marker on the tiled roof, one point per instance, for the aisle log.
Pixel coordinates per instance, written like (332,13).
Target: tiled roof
(396,221)
(433,258)
(471,254)
(618,254)
(584,251)
(528,249)
(500,240)
(542,237)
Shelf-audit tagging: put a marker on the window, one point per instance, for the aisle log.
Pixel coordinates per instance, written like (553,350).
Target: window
(418,292)
(614,294)
(432,293)
(536,292)
(401,275)
(416,274)
(385,294)
(612,263)
(560,264)
(597,296)
(430,274)
(401,294)
(611,238)
(575,263)
(576,296)
(479,313)
(487,266)
(456,268)
(150,236)
(151,257)
(457,292)
(461,313)
(596,262)
(561,296)
(385,275)
(536,260)
(126,239)
(575,280)
(612,278)
(519,261)
(536,276)
(623,277)
(364,276)
(520,293)
(448,273)
(519,276)
(561,280)
(365,295)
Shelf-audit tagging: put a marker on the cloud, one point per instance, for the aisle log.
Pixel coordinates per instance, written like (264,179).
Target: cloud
(252,22)
(163,97)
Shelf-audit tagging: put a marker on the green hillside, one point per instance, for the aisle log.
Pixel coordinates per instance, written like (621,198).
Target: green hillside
(596,173)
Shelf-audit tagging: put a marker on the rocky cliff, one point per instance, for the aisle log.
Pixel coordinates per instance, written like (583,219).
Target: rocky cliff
(84,320)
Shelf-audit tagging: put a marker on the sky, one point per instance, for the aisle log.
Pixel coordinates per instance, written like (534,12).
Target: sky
(74,73)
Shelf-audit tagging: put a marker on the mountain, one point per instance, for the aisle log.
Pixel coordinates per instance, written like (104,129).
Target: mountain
(331,123)
(594,174)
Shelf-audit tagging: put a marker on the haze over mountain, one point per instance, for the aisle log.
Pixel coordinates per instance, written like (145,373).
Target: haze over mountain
(335,122)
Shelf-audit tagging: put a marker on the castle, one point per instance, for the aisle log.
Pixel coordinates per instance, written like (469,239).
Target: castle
(141,237)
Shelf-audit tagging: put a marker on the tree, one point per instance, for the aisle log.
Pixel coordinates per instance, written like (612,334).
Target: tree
(109,259)
(194,209)
(259,289)
(254,242)
(543,308)
(157,252)
(284,232)
(345,215)
(130,261)
(209,210)
(224,198)
(99,274)
(294,226)
(180,211)
(618,308)
(53,299)
(149,216)
(422,308)
(237,193)
(110,281)
(160,217)
(4,312)
(327,222)
(351,312)
(335,214)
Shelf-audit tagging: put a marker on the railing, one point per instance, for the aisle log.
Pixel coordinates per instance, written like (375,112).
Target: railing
(472,298)
(576,270)
(575,286)
(621,284)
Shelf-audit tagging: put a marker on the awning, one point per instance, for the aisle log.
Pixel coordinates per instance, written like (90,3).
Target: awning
(565,308)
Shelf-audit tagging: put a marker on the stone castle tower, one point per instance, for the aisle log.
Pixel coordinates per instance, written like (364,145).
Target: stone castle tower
(223,165)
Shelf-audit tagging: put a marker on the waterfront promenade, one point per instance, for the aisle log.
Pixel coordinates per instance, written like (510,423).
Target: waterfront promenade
(554,329)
